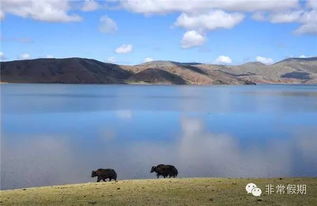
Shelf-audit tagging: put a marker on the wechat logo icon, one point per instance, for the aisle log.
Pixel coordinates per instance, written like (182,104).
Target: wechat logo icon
(253,189)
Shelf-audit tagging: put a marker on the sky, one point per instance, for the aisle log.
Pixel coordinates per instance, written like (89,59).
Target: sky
(137,31)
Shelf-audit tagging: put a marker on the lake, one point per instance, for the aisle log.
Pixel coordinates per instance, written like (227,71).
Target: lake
(57,133)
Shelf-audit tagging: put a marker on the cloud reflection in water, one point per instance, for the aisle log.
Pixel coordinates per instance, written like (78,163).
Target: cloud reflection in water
(47,160)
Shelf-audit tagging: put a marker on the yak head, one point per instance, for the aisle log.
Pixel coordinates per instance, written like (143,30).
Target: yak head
(93,173)
(153,169)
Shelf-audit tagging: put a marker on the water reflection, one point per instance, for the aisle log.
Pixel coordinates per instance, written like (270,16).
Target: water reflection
(210,154)
(44,160)
(221,134)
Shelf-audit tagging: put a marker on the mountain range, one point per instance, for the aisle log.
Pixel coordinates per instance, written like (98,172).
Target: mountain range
(90,71)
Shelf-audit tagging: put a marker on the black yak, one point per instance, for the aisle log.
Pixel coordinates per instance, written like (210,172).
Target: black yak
(164,170)
(103,174)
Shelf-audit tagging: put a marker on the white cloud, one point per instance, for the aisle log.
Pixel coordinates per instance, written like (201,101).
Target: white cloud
(264,60)
(107,25)
(312,4)
(209,21)
(90,5)
(25,56)
(2,56)
(307,29)
(307,19)
(309,23)
(44,10)
(223,60)
(196,17)
(124,49)
(303,56)
(190,6)
(260,5)
(148,59)
(286,17)
(199,23)
(191,39)
(1,14)
(49,56)
(111,60)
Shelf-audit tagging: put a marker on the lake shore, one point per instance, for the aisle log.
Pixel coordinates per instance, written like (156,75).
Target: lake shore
(179,191)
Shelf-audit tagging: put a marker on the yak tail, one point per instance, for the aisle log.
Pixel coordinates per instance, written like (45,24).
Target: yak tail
(175,171)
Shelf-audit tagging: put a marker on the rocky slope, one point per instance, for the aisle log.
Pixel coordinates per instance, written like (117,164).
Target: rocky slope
(80,70)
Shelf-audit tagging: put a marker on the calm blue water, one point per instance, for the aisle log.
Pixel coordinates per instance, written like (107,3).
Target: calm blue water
(56,134)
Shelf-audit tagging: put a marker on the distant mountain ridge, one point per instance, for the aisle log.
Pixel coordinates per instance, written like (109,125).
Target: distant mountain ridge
(90,71)
(298,59)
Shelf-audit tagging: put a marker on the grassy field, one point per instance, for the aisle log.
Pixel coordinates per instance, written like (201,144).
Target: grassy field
(179,191)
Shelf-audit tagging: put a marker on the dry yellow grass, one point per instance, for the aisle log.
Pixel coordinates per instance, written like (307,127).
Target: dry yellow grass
(179,191)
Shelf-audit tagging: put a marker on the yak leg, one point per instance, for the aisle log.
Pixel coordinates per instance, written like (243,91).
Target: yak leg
(157,175)
(104,179)
(98,179)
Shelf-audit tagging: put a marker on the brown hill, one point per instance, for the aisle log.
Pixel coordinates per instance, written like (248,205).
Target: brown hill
(156,76)
(80,70)
(192,73)
(70,70)
(288,71)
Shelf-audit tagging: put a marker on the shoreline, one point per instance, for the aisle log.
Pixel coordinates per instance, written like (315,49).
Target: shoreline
(150,84)
(161,178)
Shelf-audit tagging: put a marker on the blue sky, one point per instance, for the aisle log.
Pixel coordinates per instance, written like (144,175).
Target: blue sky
(131,31)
